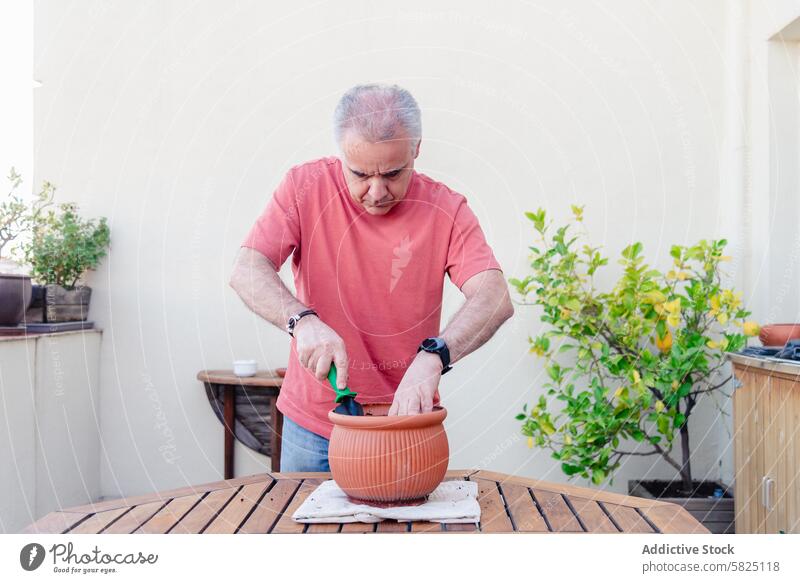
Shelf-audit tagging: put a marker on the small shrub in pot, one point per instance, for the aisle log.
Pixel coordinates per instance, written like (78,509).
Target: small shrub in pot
(63,247)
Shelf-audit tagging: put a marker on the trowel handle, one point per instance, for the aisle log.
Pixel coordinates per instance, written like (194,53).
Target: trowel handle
(340,393)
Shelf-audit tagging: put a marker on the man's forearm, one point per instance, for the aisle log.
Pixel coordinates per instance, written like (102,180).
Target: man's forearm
(477,320)
(262,290)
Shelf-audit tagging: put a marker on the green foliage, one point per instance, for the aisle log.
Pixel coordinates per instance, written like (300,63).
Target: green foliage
(64,246)
(629,363)
(16,216)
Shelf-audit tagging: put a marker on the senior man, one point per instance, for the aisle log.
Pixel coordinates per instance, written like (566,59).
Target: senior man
(371,240)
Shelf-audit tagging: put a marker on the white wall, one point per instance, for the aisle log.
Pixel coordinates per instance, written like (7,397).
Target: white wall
(16,115)
(49,425)
(177,119)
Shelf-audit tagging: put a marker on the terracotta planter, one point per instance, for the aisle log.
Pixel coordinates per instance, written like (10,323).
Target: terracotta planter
(385,460)
(778,334)
(15,295)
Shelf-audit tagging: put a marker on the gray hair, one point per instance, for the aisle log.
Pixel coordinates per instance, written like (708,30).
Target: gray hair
(376,112)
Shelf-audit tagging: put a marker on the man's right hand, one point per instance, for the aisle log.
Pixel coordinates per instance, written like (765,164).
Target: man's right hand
(317,346)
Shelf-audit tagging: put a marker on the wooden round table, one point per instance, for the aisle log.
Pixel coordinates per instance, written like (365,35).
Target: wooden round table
(267,383)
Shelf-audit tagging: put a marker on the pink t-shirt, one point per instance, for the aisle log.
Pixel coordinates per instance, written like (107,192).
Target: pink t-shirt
(376,280)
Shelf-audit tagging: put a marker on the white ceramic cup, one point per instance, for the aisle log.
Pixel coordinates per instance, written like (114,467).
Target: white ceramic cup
(244,368)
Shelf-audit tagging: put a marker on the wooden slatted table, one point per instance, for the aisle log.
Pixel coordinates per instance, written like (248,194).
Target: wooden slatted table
(264,503)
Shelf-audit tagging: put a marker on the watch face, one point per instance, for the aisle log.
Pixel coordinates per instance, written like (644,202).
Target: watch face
(431,343)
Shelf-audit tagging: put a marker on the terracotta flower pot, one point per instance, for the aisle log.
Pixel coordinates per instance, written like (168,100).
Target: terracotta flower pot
(778,334)
(385,460)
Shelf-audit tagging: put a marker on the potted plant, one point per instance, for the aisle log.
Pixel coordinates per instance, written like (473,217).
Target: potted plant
(641,356)
(16,219)
(62,248)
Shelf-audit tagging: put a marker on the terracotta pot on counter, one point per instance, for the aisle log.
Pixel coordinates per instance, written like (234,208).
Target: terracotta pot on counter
(388,460)
(778,334)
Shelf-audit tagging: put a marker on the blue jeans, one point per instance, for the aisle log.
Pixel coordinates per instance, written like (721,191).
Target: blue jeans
(302,450)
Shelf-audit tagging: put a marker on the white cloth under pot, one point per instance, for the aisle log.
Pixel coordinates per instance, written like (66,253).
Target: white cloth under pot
(451,502)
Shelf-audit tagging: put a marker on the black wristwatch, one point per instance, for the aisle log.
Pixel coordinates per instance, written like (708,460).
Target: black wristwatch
(296,318)
(437,346)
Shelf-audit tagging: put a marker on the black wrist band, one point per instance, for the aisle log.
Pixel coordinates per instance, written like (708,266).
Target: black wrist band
(296,318)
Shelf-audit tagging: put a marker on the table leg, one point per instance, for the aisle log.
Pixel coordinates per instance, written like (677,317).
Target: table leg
(277,431)
(229,415)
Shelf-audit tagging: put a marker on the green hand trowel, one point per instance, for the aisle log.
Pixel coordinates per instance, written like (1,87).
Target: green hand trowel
(345,397)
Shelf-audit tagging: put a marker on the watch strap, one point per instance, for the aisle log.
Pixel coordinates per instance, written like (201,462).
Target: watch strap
(296,318)
(443,351)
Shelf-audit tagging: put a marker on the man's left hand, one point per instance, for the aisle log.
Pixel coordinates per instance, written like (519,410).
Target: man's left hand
(419,384)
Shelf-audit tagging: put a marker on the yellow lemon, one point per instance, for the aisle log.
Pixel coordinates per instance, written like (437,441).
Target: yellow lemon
(664,344)
(751,328)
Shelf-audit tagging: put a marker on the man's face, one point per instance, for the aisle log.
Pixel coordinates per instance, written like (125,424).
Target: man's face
(378,174)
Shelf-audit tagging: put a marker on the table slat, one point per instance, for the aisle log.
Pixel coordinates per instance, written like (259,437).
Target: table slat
(592,515)
(556,511)
(237,509)
(358,527)
(55,523)
(98,522)
(527,517)
(199,516)
(132,520)
(170,515)
(461,527)
(285,524)
(493,511)
(425,526)
(323,527)
(269,509)
(392,526)
(672,519)
(627,518)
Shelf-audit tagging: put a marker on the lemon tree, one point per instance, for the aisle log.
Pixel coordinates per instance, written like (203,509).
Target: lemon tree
(626,366)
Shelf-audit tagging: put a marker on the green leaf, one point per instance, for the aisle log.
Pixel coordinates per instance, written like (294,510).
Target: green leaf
(547,427)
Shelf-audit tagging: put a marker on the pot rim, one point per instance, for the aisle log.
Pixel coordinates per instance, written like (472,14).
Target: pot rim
(784,325)
(393,422)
